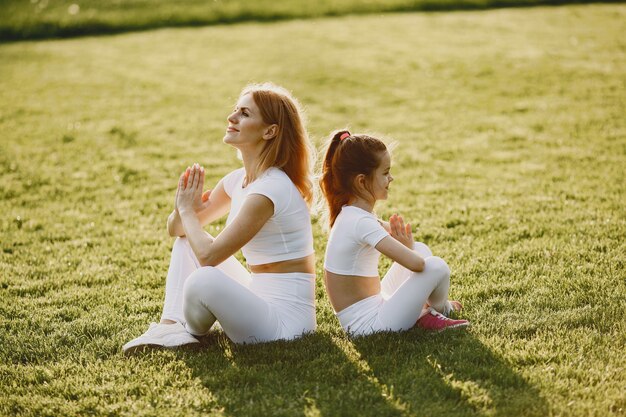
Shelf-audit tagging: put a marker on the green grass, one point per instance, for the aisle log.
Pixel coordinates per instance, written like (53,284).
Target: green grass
(510,164)
(38,19)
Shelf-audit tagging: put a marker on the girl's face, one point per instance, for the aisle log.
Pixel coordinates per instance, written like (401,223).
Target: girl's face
(245,124)
(382,178)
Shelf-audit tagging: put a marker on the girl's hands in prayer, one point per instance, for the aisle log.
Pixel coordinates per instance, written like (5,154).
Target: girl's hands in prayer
(189,194)
(400,231)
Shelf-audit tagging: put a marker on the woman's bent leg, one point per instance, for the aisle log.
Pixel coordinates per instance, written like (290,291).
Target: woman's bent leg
(403,308)
(210,295)
(171,331)
(183,262)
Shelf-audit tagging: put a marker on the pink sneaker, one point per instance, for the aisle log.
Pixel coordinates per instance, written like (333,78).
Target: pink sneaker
(434,320)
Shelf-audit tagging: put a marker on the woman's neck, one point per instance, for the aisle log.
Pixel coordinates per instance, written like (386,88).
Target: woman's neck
(362,203)
(250,157)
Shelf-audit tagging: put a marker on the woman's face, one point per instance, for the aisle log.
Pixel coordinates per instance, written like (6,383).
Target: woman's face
(245,124)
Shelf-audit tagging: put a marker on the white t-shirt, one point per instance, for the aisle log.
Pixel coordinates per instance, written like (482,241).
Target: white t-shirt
(287,234)
(351,244)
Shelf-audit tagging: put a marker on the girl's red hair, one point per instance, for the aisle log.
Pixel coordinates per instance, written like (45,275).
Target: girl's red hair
(345,158)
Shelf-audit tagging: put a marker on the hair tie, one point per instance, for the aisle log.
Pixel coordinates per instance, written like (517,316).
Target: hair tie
(344,135)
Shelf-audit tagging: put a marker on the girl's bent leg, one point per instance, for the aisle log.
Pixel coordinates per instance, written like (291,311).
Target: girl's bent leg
(402,309)
(397,274)
(422,249)
(211,295)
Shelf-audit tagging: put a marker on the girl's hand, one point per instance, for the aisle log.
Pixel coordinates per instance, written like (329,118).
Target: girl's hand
(189,195)
(400,231)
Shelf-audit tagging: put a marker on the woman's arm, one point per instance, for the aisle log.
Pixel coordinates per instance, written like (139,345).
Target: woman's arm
(399,246)
(255,212)
(217,205)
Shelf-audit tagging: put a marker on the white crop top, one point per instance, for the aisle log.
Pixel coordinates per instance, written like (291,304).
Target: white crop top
(287,234)
(351,244)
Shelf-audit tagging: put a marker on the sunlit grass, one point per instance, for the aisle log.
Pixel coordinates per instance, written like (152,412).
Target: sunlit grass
(38,19)
(510,165)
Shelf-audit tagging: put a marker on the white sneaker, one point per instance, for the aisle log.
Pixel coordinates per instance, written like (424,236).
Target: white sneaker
(160,335)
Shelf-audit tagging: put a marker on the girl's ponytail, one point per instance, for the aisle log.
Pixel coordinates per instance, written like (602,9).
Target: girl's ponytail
(347,156)
(330,183)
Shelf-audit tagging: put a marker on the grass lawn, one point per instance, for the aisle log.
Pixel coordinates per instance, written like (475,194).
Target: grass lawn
(510,163)
(37,19)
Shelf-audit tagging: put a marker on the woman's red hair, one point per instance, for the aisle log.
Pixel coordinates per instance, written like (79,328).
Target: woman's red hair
(290,150)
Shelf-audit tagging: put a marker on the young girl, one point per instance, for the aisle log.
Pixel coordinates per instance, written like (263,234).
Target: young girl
(356,174)
(268,218)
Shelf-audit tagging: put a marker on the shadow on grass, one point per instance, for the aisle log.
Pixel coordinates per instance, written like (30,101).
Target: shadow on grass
(306,377)
(382,375)
(449,374)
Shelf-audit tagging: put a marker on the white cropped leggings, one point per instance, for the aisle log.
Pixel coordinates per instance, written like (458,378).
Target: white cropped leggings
(249,307)
(402,297)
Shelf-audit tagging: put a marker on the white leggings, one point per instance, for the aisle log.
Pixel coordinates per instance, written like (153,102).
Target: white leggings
(249,307)
(401,299)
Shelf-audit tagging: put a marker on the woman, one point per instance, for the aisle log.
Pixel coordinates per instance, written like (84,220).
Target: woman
(267,202)
(356,174)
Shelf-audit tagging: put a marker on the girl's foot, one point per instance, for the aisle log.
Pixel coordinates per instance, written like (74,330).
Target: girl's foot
(434,320)
(453,307)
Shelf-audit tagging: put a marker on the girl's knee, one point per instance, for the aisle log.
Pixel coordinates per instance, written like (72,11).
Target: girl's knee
(422,249)
(438,266)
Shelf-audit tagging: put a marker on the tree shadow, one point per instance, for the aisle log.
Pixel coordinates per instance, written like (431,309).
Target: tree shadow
(448,374)
(311,376)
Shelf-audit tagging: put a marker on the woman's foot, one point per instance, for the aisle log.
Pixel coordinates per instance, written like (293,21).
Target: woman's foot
(160,335)
(434,320)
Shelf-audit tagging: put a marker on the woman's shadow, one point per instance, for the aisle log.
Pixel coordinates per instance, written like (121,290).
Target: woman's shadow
(328,374)
(310,376)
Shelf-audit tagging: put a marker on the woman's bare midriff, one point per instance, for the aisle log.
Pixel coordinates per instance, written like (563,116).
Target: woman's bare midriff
(345,290)
(305,265)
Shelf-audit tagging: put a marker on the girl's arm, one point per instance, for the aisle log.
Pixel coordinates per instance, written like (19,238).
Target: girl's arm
(385,225)
(399,246)
(255,212)
(216,205)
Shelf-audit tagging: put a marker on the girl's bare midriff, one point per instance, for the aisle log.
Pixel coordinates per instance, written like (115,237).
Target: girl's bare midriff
(345,290)
(305,265)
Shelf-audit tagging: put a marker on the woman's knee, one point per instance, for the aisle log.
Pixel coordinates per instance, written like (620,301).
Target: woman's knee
(201,283)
